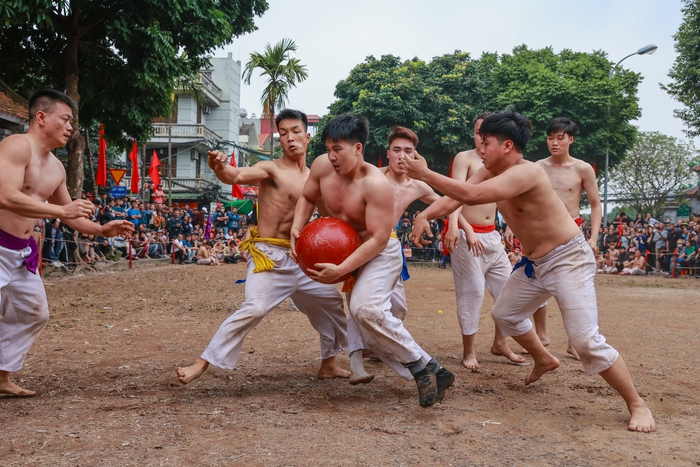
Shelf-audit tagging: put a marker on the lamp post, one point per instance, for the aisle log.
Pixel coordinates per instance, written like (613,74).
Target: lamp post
(647,50)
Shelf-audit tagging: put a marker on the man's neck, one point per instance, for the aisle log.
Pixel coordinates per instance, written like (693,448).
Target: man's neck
(398,178)
(38,143)
(560,159)
(293,161)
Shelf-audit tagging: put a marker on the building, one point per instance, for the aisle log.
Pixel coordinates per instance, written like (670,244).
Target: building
(197,126)
(694,193)
(14,112)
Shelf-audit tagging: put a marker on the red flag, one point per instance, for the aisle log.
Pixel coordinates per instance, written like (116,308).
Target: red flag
(134,157)
(101,178)
(379,163)
(153,170)
(452,159)
(595,168)
(236,191)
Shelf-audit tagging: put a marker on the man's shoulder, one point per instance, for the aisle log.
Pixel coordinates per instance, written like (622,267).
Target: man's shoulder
(16,145)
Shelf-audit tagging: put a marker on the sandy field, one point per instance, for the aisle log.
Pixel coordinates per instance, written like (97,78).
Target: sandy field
(104,369)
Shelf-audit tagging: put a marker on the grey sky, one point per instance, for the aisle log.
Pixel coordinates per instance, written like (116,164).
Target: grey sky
(334,36)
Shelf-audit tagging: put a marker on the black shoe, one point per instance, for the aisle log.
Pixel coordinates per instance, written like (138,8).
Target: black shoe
(445,379)
(427,390)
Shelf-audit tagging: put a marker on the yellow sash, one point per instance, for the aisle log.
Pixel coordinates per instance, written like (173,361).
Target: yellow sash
(262,262)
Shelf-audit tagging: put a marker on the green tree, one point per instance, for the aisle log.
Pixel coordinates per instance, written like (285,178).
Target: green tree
(542,85)
(119,59)
(283,73)
(685,72)
(653,166)
(439,99)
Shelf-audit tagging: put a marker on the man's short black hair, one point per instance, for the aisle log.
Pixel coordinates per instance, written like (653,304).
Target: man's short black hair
(562,124)
(347,127)
(481,116)
(508,125)
(45,100)
(291,114)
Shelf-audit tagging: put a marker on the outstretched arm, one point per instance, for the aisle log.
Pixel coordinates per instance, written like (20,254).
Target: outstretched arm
(479,189)
(235,175)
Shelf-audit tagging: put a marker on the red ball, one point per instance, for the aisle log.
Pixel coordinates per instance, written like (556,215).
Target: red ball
(326,240)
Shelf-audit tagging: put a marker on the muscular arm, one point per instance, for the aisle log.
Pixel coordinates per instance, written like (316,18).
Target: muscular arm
(590,186)
(478,189)
(81,224)
(311,194)
(235,175)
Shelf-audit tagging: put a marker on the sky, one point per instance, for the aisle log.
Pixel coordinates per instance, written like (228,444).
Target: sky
(334,36)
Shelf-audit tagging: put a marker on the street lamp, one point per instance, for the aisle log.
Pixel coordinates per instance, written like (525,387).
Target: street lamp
(647,50)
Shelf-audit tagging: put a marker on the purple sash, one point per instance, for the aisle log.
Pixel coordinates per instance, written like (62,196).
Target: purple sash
(11,242)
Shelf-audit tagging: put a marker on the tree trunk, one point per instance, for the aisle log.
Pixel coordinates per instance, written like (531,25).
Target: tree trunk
(272,132)
(76,144)
(90,169)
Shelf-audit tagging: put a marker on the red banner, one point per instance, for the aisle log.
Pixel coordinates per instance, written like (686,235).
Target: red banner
(101,178)
(134,157)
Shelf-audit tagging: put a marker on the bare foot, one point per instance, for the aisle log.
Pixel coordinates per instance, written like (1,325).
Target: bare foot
(8,387)
(188,374)
(550,363)
(641,419)
(358,374)
(571,351)
(545,341)
(330,369)
(503,350)
(469,361)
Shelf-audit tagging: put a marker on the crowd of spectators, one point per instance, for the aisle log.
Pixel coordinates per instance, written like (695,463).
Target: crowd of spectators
(644,245)
(189,234)
(638,246)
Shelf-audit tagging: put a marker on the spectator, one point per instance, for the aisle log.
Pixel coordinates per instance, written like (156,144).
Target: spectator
(204,255)
(234,220)
(637,266)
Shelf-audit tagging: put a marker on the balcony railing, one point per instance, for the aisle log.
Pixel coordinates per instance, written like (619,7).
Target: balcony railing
(184,131)
(209,85)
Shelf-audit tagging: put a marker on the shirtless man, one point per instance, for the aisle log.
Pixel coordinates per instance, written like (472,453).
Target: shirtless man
(272,275)
(356,192)
(570,177)
(402,143)
(204,256)
(561,263)
(636,267)
(30,176)
(478,259)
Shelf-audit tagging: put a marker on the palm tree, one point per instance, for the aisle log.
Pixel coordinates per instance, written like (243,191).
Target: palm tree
(283,73)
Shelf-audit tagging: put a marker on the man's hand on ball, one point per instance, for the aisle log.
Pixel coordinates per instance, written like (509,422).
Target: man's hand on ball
(326,273)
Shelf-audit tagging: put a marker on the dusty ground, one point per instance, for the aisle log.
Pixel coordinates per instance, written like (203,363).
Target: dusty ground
(105,372)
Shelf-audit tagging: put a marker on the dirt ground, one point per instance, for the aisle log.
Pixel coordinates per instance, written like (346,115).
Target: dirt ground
(104,369)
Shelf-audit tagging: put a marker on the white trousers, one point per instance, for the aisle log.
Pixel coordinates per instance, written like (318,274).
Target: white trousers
(491,270)
(23,309)
(635,271)
(321,303)
(567,273)
(370,304)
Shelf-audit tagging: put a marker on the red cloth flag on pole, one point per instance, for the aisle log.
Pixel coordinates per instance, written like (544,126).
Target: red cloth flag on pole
(153,170)
(134,157)
(379,163)
(595,168)
(101,178)
(236,191)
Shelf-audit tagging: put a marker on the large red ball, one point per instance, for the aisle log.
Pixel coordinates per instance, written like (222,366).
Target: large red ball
(326,240)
